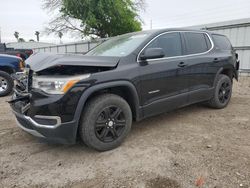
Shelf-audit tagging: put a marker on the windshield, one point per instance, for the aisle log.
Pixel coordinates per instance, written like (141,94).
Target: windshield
(119,46)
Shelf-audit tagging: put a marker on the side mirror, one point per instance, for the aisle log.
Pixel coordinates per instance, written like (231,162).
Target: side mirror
(152,53)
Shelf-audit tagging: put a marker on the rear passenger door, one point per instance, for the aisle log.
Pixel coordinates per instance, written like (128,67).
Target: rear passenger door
(200,72)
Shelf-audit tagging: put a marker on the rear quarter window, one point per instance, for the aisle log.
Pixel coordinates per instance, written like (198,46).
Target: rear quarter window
(222,42)
(196,43)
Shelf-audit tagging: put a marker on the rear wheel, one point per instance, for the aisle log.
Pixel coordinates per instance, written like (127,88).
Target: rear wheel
(6,84)
(106,122)
(222,93)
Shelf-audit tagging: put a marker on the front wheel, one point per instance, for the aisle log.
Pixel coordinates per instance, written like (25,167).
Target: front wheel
(6,84)
(106,122)
(222,92)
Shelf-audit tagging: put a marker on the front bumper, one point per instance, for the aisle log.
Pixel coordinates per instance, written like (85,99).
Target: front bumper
(64,133)
(51,117)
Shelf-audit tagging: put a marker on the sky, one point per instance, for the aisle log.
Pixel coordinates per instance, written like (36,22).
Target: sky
(27,16)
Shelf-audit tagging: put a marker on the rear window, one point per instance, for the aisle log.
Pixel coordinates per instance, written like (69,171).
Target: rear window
(197,43)
(222,42)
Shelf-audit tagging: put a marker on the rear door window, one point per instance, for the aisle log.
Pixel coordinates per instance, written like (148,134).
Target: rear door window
(170,43)
(196,43)
(222,42)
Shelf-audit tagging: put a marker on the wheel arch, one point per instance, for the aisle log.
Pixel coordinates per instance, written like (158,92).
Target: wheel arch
(230,72)
(7,69)
(124,89)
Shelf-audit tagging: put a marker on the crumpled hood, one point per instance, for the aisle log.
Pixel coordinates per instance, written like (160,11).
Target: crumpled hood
(42,61)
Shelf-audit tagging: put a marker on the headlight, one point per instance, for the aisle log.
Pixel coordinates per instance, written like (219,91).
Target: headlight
(56,84)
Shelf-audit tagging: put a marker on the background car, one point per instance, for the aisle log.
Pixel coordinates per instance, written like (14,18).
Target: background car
(8,65)
(11,51)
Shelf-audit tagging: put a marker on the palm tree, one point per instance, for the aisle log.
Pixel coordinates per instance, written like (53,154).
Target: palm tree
(16,34)
(37,33)
(21,40)
(60,35)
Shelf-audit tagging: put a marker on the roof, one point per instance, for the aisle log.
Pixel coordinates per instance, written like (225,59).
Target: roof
(28,45)
(160,31)
(10,56)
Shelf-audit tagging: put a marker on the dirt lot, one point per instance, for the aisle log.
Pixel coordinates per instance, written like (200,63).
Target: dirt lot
(191,147)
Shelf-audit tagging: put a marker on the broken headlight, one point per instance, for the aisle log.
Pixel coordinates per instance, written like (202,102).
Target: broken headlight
(56,84)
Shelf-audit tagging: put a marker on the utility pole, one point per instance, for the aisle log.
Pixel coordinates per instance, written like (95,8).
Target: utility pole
(151,24)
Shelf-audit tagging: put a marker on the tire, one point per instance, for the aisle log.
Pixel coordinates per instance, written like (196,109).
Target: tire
(6,84)
(106,121)
(222,93)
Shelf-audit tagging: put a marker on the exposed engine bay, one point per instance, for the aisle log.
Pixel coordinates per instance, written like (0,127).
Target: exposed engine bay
(72,70)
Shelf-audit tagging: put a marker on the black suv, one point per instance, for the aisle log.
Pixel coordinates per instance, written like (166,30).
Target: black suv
(129,77)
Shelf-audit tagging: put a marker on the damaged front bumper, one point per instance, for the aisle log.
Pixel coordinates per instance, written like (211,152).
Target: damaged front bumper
(47,127)
(49,117)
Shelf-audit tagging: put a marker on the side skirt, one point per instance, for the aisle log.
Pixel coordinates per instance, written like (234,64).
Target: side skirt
(177,101)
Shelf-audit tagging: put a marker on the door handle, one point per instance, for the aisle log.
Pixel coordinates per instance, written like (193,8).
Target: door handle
(216,60)
(182,64)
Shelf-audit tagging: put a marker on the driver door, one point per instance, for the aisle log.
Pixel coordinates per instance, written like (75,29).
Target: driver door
(163,81)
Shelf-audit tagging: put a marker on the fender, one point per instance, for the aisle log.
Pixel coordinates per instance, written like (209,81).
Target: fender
(87,93)
(217,75)
(235,74)
(4,67)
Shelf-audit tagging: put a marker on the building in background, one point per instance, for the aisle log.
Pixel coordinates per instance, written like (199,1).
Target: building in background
(27,45)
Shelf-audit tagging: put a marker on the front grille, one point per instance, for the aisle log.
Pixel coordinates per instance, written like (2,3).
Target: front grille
(23,84)
(29,80)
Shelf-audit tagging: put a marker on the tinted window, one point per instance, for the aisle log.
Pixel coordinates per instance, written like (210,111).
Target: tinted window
(196,43)
(170,43)
(222,42)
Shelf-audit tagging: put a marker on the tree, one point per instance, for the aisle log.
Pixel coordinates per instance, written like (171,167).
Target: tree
(102,18)
(60,34)
(37,33)
(21,40)
(16,34)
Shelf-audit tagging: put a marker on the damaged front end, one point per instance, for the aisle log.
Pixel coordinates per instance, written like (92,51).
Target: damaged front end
(21,94)
(44,105)
(45,100)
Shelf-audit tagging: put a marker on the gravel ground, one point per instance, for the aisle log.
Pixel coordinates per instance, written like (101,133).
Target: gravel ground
(191,147)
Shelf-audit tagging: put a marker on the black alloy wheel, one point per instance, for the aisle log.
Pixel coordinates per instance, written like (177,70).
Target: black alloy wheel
(224,92)
(106,122)
(110,124)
